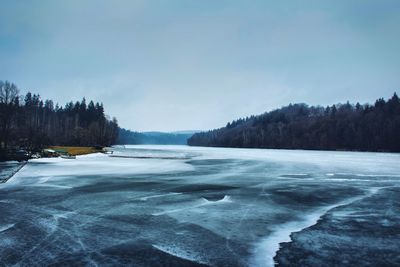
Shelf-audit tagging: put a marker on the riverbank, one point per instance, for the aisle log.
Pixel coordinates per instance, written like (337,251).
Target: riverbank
(21,154)
(50,152)
(76,150)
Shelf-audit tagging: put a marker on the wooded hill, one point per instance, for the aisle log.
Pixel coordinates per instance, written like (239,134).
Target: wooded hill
(30,122)
(154,138)
(299,126)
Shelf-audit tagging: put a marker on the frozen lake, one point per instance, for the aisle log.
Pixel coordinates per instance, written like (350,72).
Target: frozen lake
(193,206)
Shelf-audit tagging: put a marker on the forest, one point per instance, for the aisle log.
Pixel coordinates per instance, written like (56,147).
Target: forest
(154,138)
(299,126)
(30,122)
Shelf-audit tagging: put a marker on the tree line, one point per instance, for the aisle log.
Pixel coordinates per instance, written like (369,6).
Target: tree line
(126,137)
(299,126)
(30,122)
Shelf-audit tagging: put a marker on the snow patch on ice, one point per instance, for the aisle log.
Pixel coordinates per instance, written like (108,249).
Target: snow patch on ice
(182,253)
(158,196)
(225,199)
(341,174)
(6,227)
(295,175)
(196,204)
(45,171)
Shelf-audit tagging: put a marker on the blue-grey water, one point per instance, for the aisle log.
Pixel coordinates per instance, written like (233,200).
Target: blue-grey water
(188,206)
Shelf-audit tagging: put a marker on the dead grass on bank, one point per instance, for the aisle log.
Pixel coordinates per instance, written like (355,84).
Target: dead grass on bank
(75,150)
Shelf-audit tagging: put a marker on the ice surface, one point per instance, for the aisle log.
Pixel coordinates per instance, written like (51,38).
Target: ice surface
(281,234)
(8,169)
(38,171)
(184,206)
(6,227)
(363,233)
(180,253)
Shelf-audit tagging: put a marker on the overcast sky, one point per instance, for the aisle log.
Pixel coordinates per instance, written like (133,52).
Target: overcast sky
(179,65)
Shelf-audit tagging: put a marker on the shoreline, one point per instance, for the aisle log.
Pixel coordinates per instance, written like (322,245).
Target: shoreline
(76,150)
(4,180)
(303,149)
(59,151)
(49,152)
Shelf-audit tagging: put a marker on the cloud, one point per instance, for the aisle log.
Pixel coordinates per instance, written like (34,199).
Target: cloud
(173,65)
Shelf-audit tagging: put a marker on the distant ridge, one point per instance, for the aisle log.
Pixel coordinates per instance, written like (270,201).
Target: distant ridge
(299,126)
(186,132)
(154,137)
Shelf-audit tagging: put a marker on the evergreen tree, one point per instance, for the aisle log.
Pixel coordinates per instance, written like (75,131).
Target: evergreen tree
(35,123)
(297,126)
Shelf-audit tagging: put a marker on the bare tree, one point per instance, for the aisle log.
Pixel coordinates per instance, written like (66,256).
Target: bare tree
(8,93)
(9,101)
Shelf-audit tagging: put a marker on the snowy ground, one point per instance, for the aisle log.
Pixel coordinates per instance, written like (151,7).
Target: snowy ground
(185,206)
